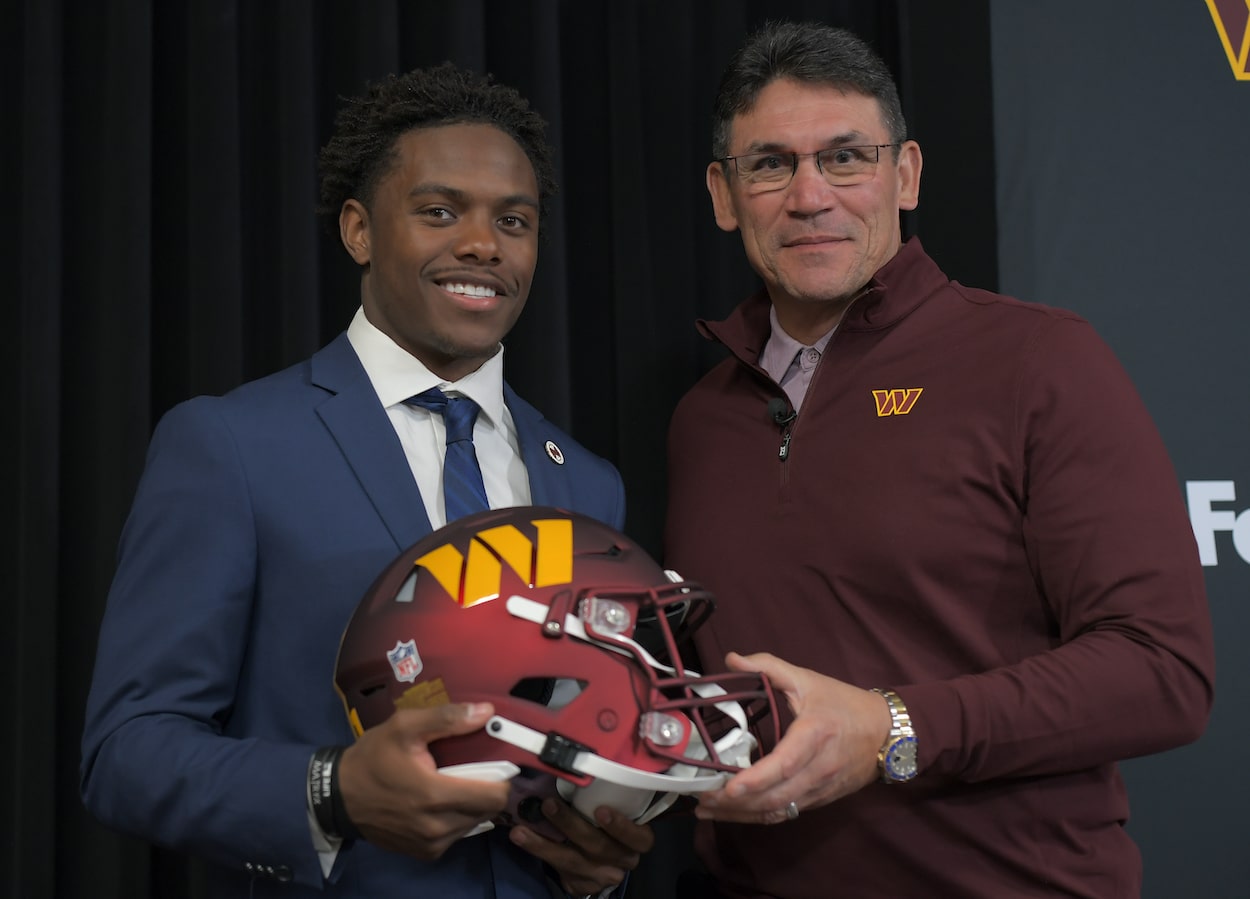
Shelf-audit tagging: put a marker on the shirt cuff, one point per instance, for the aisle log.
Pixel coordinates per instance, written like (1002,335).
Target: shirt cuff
(327,847)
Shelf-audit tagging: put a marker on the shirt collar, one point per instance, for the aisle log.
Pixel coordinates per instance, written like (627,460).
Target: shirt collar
(781,348)
(396,374)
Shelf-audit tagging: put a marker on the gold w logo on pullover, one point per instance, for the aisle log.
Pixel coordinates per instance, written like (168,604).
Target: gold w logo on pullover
(897,401)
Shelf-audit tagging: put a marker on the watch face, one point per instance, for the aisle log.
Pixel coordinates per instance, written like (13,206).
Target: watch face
(900,759)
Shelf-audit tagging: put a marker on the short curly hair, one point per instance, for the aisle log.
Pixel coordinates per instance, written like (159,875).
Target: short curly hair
(363,148)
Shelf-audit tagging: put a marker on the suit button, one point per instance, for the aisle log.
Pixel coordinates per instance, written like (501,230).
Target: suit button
(250,868)
(283,873)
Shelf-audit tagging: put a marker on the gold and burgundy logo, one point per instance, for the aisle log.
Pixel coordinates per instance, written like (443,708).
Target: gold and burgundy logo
(898,401)
(1232,21)
(476,576)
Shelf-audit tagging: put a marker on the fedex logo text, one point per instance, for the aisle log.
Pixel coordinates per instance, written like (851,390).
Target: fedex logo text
(1206,520)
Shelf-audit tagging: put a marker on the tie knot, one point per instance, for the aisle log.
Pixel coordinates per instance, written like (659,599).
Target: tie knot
(459,412)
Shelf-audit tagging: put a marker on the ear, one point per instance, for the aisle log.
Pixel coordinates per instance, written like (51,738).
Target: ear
(722,199)
(354,230)
(909,165)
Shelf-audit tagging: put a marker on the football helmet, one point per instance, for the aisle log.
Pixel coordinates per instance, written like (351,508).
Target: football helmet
(574,634)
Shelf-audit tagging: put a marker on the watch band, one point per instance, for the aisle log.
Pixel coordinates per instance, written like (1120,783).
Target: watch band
(896,760)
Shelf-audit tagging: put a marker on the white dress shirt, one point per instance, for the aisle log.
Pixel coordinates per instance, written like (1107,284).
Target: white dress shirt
(397,375)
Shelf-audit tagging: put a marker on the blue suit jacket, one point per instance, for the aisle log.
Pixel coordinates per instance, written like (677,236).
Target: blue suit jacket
(261,519)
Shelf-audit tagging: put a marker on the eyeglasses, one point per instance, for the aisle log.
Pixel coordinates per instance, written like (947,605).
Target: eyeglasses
(841,166)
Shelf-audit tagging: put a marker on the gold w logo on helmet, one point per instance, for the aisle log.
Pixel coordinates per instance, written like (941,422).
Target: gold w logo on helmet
(476,577)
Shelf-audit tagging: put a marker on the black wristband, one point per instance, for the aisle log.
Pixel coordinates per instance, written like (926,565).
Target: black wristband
(325,799)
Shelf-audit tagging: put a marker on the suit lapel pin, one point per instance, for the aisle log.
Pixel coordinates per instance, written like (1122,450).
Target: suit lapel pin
(554,454)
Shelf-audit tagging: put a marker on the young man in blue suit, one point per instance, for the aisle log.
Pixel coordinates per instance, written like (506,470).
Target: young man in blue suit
(264,515)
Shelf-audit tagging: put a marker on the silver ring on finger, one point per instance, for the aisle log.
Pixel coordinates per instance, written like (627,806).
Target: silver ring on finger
(792,810)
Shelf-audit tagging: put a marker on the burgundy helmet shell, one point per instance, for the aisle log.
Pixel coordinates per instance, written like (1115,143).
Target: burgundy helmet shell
(573,633)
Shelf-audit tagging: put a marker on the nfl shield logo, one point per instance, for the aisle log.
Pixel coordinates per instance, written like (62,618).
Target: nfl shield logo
(405,661)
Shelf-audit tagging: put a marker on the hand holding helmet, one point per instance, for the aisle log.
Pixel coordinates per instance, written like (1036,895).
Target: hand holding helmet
(399,800)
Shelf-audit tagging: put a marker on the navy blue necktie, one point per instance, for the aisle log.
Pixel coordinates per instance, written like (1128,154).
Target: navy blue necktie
(463,490)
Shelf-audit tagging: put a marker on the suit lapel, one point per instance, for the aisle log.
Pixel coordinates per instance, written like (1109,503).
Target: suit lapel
(549,481)
(364,434)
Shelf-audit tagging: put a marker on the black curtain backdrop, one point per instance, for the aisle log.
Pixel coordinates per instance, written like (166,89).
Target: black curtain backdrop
(160,243)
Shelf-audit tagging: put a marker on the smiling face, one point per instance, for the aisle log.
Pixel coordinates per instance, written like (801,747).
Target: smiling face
(448,244)
(815,245)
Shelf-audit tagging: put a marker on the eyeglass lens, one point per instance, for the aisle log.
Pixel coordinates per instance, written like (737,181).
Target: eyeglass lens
(840,166)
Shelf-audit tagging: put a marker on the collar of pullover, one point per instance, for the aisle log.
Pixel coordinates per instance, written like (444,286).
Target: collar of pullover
(898,288)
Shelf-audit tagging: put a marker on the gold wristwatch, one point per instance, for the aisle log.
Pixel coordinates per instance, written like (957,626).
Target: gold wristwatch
(897,758)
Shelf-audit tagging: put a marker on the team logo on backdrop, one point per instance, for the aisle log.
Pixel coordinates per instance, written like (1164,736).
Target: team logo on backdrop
(476,576)
(1211,512)
(1232,21)
(896,402)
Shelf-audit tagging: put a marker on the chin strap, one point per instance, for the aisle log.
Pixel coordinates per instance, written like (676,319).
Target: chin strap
(640,795)
(583,761)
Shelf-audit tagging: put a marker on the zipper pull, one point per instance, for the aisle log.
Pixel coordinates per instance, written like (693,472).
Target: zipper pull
(784,416)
